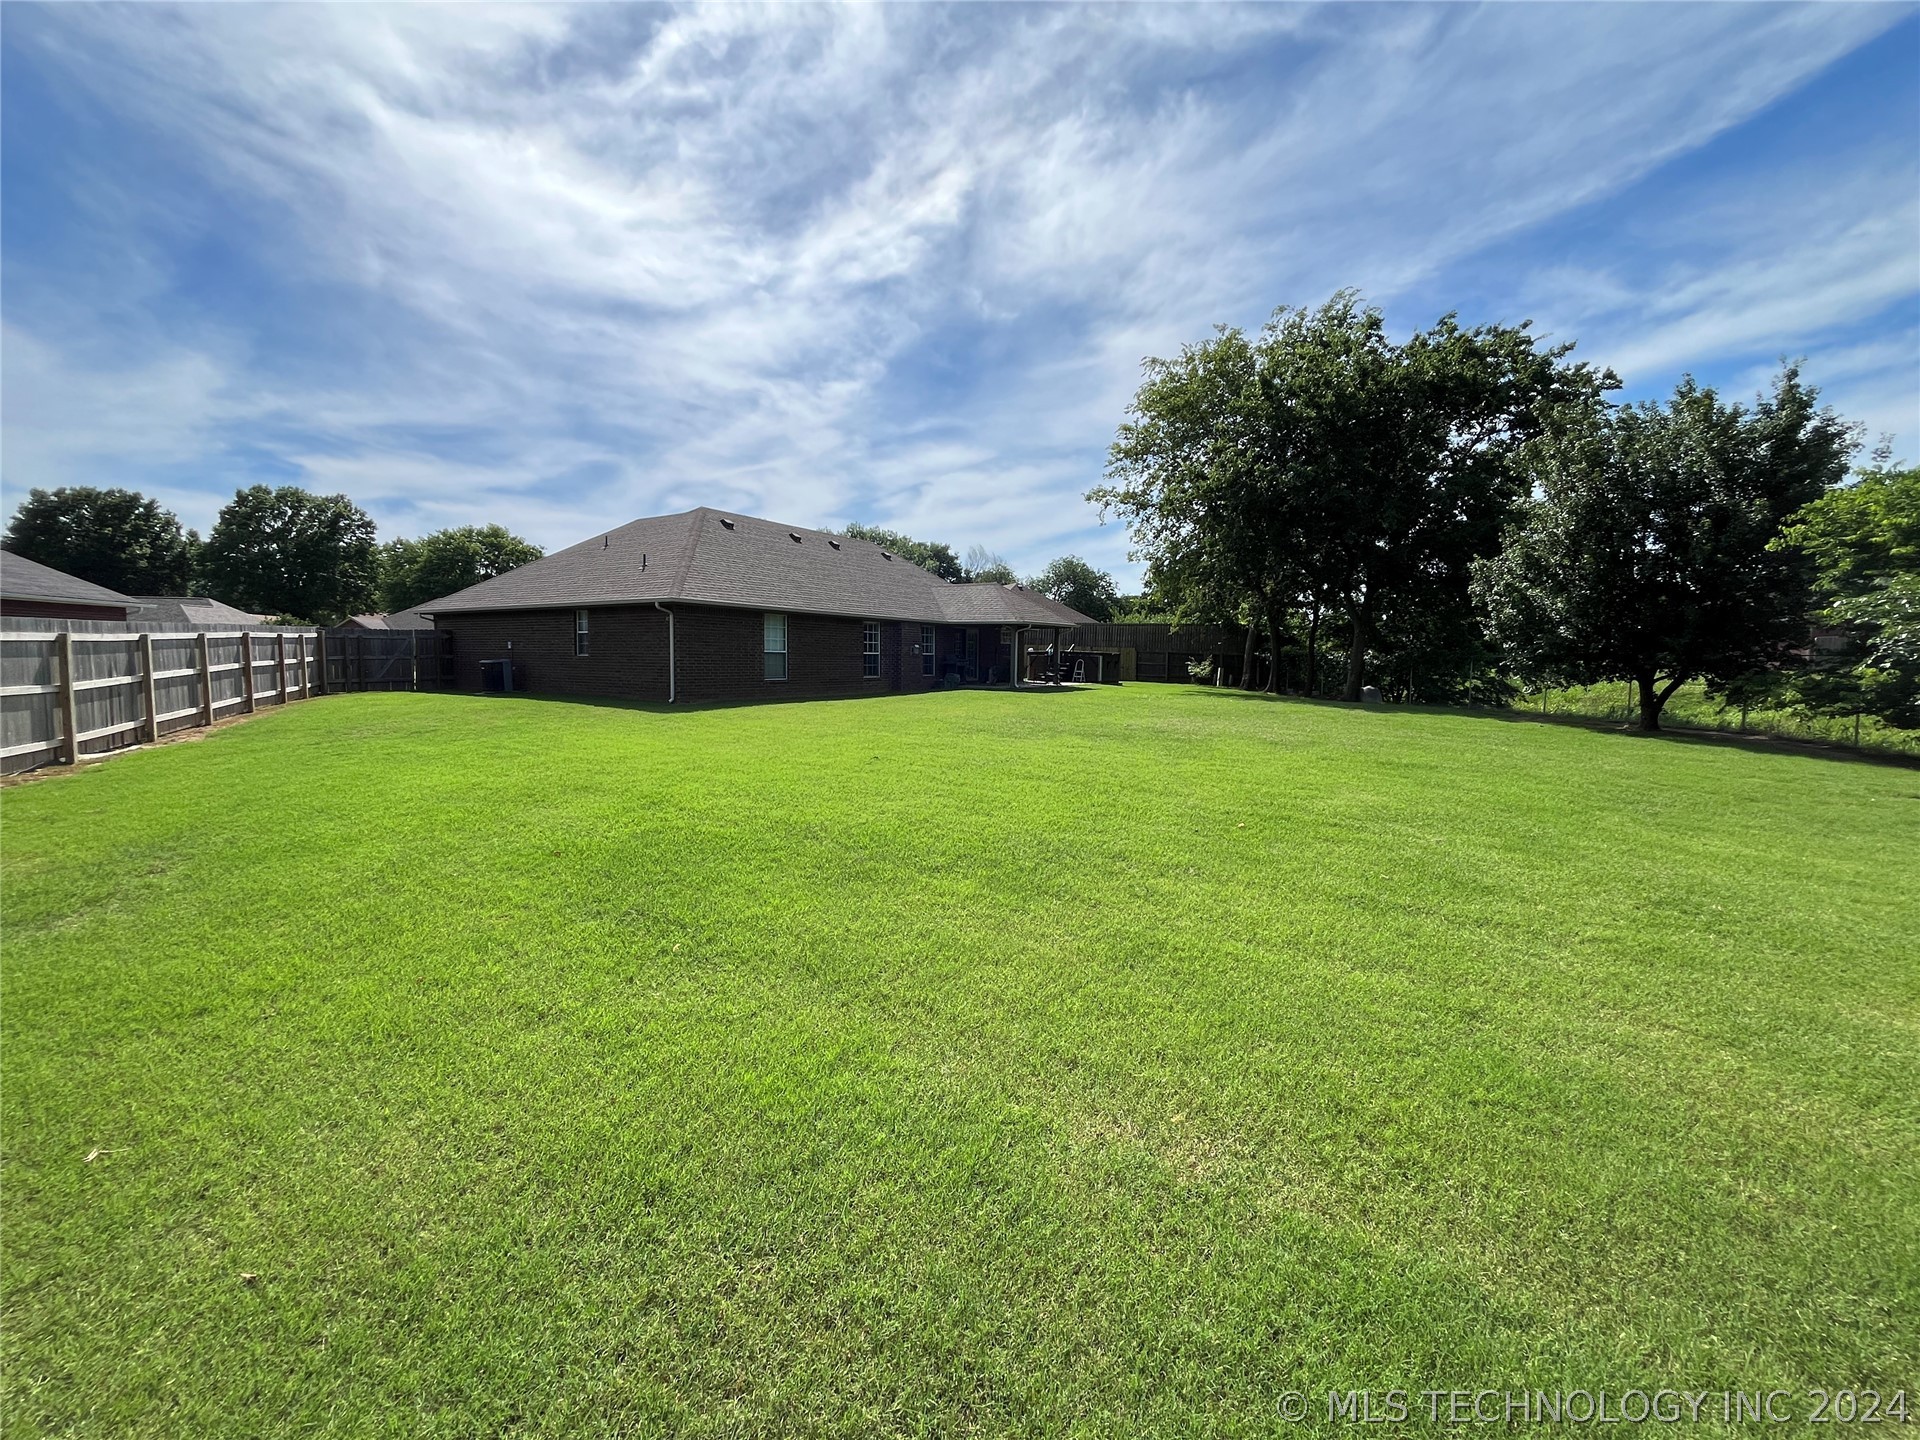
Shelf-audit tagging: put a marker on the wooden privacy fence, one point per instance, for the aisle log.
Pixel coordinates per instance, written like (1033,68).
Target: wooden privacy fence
(387,659)
(1160,652)
(69,695)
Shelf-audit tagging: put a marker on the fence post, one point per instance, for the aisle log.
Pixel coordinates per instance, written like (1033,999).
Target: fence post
(280,662)
(206,677)
(246,668)
(360,660)
(69,710)
(305,690)
(149,692)
(320,654)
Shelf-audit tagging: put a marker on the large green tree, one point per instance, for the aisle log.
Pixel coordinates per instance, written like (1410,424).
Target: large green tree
(1327,472)
(415,571)
(116,538)
(1863,540)
(287,552)
(1426,434)
(1204,487)
(1648,554)
(1072,581)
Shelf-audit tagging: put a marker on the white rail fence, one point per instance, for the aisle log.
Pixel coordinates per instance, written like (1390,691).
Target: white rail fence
(70,695)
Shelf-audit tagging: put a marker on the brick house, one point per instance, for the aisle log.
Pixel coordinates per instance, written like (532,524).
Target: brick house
(708,605)
(34,591)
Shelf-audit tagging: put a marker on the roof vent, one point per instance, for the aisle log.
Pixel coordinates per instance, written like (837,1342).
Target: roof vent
(833,544)
(885,556)
(793,537)
(726,522)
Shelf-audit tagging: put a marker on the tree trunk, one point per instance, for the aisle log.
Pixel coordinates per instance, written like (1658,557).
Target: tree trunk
(1313,653)
(1357,657)
(1273,644)
(1653,700)
(1246,657)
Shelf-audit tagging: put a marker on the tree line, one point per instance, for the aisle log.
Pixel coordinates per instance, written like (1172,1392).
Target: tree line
(290,554)
(1453,516)
(1467,511)
(282,552)
(1069,579)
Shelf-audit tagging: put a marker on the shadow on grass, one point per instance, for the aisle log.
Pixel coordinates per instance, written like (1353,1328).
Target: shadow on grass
(1677,735)
(661,707)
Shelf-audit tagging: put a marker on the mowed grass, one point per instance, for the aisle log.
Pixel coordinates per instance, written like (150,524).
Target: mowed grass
(1105,1063)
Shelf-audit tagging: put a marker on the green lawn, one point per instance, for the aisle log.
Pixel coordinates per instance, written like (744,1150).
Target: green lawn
(1108,1062)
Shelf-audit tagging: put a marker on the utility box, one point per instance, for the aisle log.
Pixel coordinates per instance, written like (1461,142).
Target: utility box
(497,676)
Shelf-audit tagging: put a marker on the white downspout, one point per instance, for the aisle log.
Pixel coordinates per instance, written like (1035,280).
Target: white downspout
(669,614)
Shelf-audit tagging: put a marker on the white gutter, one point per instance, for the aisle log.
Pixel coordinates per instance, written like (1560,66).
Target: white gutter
(669,614)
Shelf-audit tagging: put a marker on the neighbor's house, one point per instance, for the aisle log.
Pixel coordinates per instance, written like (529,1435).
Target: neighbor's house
(193,612)
(709,605)
(32,591)
(392,620)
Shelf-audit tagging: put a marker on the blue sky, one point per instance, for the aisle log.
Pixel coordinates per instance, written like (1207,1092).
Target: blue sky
(560,268)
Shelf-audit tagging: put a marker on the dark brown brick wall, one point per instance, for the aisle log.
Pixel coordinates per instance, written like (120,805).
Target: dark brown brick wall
(991,653)
(61,610)
(627,647)
(717,652)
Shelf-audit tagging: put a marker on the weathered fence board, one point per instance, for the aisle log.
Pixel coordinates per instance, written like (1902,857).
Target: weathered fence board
(80,692)
(388,659)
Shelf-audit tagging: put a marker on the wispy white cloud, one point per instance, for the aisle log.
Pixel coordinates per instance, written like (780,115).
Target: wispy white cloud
(893,262)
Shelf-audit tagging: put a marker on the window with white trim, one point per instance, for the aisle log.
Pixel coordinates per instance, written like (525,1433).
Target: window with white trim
(774,628)
(579,632)
(926,649)
(870,649)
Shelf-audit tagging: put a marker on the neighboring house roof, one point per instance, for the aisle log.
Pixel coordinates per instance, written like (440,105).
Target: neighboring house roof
(393,620)
(24,579)
(192,612)
(714,557)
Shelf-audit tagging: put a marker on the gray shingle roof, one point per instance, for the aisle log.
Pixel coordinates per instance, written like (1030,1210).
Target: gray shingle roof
(191,612)
(393,620)
(24,579)
(1005,605)
(714,557)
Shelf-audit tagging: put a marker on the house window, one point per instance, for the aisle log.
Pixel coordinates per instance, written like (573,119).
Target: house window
(579,632)
(775,630)
(870,648)
(926,649)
